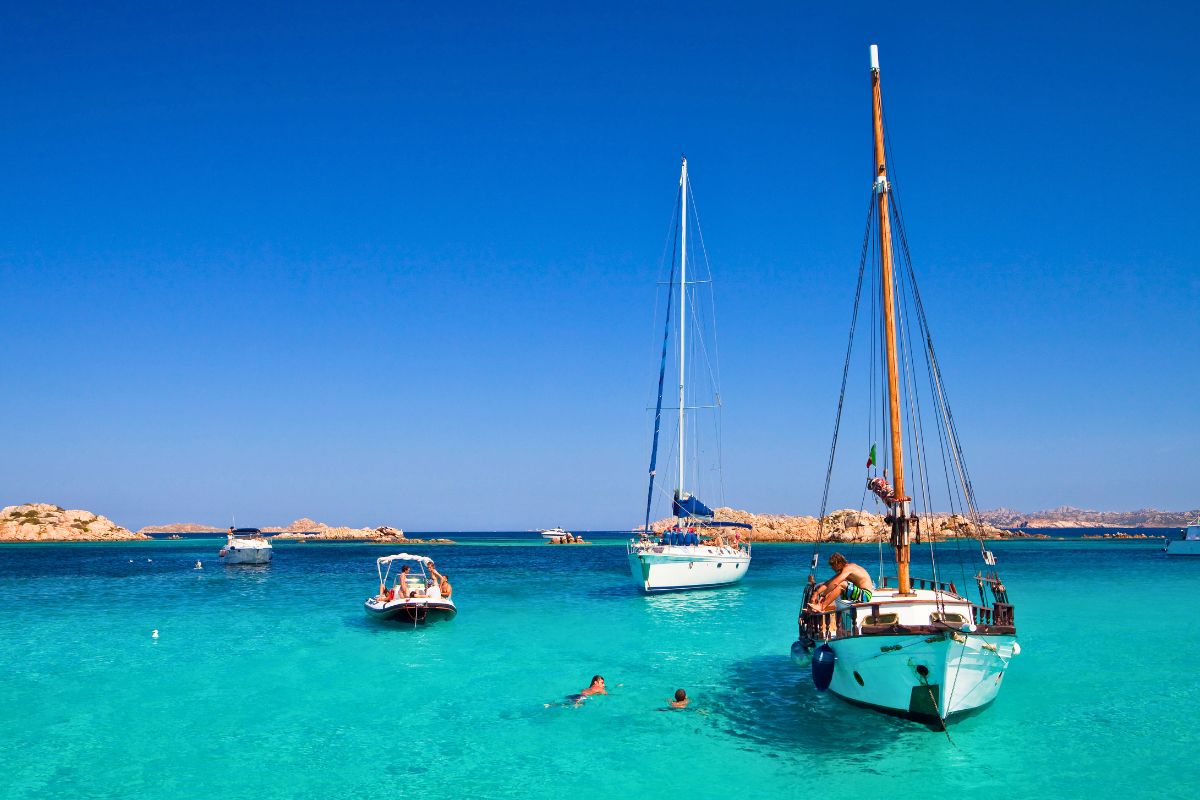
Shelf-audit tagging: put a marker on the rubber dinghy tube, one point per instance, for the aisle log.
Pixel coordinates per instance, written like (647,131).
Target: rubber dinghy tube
(822,667)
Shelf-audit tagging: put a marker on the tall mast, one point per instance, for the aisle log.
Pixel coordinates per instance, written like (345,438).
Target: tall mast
(683,184)
(900,539)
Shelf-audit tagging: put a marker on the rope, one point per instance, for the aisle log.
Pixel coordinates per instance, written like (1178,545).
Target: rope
(837,424)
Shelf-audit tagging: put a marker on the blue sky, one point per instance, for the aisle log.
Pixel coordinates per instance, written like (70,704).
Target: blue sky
(396,261)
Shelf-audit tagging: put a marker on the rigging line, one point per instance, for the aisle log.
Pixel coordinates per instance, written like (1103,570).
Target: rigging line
(837,424)
(915,420)
(943,425)
(662,371)
(714,364)
(944,404)
(708,269)
(955,444)
(909,273)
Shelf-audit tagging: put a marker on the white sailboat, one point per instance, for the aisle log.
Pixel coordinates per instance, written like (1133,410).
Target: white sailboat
(918,648)
(697,552)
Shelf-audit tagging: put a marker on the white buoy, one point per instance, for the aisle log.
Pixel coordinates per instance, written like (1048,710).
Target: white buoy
(154,633)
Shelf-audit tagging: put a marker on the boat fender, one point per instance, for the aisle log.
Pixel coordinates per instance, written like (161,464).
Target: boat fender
(1016,648)
(823,659)
(801,654)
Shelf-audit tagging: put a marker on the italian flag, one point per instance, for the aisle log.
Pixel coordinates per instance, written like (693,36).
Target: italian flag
(871,456)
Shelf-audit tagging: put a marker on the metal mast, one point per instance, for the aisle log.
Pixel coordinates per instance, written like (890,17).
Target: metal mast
(683,184)
(900,508)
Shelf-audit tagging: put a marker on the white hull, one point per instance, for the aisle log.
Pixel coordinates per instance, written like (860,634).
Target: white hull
(963,672)
(664,568)
(239,554)
(922,658)
(556,533)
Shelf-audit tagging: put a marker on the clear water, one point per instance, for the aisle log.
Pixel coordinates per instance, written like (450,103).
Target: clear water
(271,683)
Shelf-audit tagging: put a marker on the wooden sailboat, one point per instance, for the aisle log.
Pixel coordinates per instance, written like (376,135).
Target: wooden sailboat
(697,552)
(918,647)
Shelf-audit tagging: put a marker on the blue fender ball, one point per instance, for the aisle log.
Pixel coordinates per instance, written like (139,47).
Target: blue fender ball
(822,667)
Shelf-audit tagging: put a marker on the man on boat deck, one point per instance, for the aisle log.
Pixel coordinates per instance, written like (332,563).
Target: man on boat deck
(850,582)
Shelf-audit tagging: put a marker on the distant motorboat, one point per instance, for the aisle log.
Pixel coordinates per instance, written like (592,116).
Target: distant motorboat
(1187,543)
(246,546)
(554,533)
(412,597)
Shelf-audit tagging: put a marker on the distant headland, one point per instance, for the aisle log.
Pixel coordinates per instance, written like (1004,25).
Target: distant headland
(848,525)
(1070,517)
(44,522)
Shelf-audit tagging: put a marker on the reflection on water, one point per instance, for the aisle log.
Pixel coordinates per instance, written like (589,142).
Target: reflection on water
(772,702)
(683,607)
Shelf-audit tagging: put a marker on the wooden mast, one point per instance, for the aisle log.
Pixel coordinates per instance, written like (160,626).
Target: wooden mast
(900,539)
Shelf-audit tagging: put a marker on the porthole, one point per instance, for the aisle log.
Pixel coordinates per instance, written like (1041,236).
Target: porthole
(858,678)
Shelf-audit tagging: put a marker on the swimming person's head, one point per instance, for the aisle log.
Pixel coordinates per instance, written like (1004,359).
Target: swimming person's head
(680,695)
(837,561)
(597,680)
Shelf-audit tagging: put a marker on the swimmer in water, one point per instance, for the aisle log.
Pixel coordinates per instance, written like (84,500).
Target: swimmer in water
(198,566)
(154,633)
(681,699)
(576,700)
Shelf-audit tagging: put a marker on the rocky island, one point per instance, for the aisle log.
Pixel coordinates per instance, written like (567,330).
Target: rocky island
(848,525)
(1071,517)
(43,522)
(305,529)
(182,527)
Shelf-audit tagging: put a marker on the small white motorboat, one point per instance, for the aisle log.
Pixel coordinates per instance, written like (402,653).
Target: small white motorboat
(246,546)
(412,597)
(1187,543)
(554,533)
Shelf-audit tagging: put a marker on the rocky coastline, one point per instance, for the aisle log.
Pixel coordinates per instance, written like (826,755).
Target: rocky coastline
(43,522)
(1071,517)
(849,526)
(307,530)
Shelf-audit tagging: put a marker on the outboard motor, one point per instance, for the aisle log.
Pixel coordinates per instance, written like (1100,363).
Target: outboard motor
(822,667)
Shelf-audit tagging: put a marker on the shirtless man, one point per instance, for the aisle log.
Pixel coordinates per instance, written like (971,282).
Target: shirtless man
(681,699)
(576,700)
(850,582)
(596,687)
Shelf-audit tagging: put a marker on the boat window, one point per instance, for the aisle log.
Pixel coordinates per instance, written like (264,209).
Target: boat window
(948,618)
(882,619)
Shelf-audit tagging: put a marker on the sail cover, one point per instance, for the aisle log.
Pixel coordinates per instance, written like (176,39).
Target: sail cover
(691,507)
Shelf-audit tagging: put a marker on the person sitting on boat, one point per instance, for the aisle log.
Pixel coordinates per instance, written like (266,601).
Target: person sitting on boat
(402,582)
(850,582)
(443,583)
(434,590)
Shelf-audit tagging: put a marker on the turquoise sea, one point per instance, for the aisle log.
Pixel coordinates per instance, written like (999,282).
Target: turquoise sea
(271,683)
